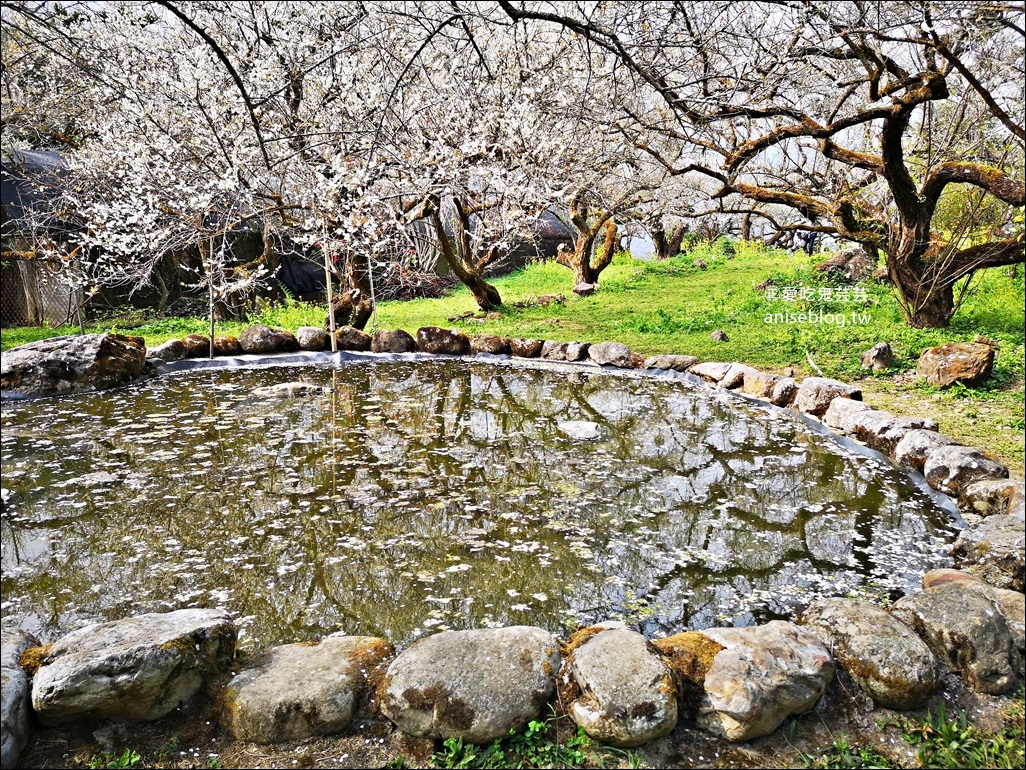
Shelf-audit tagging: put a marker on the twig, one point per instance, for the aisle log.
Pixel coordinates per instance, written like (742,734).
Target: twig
(813,363)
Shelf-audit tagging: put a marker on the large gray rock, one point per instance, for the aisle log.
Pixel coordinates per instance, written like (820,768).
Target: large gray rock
(611,354)
(263,339)
(16,706)
(710,371)
(1011,604)
(735,376)
(942,575)
(393,341)
(882,655)
(966,362)
(227,345)
(172,350)
(554,351)
(356,340)
(196,345)
(583,289)
(966,632)
(626,692)
(577,351)
(784,392)
(878,358)
(883,431)
(313,338)
(914,447)
(302,690)
(763,675)
(489,343)
(994,551)
(525,348)
(990,497)
(842,411)
(759,384)
(950,468)
(72,364)
(816,393)
(135,670)
(438,341)
(475,685)
(670,362)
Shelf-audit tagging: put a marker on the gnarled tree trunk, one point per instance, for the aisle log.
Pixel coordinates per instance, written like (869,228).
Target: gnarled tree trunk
(458,252)
(584,260)
(587,262)
(924,278)
(667,242)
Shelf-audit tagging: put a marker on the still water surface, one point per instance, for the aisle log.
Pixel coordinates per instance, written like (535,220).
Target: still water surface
(419,495)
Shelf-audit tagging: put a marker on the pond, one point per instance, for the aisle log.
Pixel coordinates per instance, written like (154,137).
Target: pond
(415,495)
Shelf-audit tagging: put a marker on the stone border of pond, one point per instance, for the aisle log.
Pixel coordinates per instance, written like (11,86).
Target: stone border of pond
(736,684)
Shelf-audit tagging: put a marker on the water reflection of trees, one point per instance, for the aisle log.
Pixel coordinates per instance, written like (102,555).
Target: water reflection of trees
(433,493)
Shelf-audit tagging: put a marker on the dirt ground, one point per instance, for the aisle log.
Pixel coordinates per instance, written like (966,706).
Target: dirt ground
(192,738)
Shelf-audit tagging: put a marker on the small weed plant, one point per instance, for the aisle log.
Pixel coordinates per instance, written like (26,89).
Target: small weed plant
(536,746)
(842,755)
(955,742)
(127,758)
(941,741)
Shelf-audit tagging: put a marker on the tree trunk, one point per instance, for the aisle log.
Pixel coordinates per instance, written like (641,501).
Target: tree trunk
(486,295)
(925,292)
(667,244)
(925,306)
(586,269)
(935,311)
(455,251)
(271,262)
(659,241)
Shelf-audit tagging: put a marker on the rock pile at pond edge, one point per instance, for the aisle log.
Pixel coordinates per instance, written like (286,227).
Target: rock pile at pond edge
(478,685)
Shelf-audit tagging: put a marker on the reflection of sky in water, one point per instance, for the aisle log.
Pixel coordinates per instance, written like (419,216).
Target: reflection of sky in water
(441,494)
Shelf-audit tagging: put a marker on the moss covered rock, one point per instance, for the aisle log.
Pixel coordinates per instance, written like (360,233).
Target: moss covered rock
(625,694)
(304,690)
(885,658)
(474,685)
(136,670)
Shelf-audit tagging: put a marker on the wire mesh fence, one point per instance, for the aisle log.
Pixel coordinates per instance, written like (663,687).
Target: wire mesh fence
(32,294)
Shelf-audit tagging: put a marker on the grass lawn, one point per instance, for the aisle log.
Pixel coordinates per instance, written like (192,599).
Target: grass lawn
(674,305)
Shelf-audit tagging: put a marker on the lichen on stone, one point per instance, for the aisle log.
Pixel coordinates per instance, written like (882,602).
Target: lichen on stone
(34,657)
(689,654)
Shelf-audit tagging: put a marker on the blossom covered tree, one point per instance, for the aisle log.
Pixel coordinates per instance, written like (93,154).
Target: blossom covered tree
(220,118)
(859,116)
(485,137)
(891,125)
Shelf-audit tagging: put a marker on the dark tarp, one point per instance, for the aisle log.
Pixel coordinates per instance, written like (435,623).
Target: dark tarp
(299,275)
(30,180)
